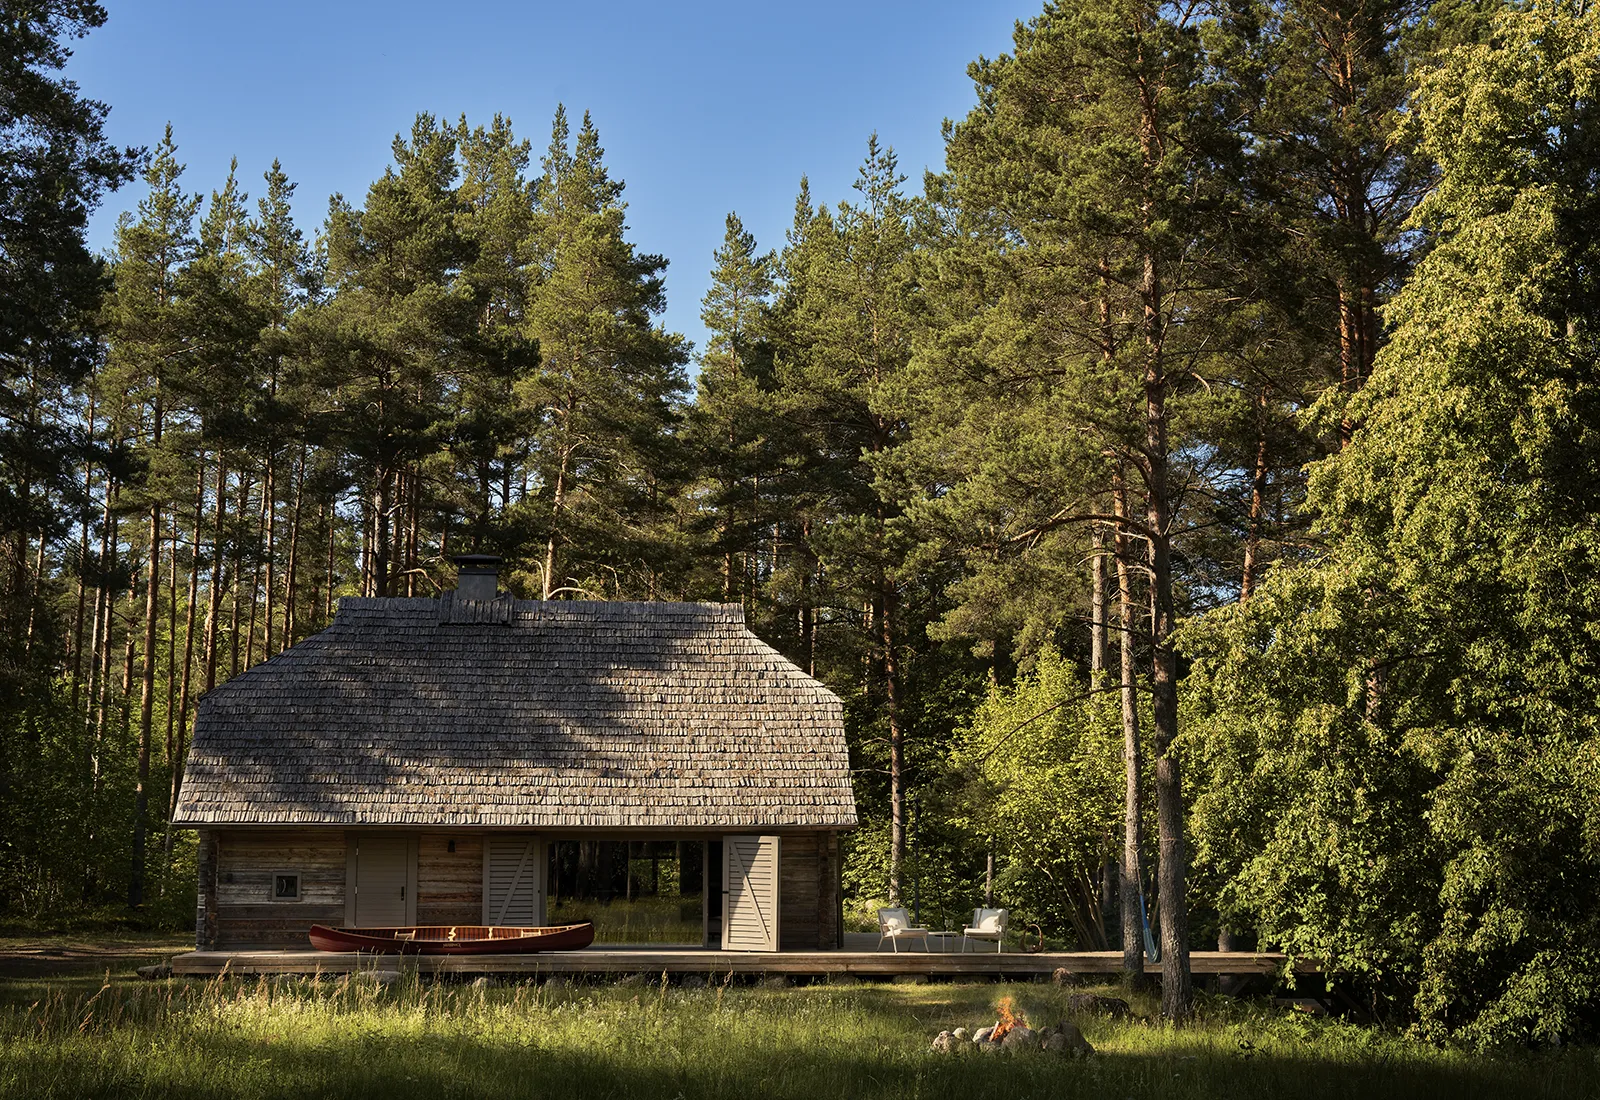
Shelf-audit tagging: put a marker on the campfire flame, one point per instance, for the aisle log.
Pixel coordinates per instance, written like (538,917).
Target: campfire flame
(1009,1018)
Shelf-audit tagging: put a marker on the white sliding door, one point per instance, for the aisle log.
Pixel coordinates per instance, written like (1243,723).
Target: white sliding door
(513,880)
(750,893)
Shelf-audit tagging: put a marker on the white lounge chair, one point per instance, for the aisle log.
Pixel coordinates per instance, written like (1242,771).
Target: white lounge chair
(987,924)
(894,925)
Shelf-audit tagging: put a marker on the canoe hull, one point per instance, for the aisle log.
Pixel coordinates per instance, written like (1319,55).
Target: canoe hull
(453,939)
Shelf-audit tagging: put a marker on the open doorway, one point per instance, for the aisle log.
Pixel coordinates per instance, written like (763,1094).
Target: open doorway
(635,891)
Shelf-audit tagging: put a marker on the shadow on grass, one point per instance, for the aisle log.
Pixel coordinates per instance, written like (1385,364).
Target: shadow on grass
(646,1063)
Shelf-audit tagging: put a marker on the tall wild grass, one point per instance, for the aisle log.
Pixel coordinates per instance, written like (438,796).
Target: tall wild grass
(353,1036)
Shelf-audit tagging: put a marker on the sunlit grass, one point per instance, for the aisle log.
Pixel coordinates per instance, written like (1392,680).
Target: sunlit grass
(672,920)
(353,1037)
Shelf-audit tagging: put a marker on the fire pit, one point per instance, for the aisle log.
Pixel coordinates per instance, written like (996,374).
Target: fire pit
(1012,1034)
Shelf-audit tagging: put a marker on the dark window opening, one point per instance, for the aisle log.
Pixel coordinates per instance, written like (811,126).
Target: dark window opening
(639,891)
(286,886)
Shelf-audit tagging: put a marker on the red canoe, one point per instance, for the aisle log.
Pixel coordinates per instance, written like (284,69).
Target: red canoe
(453,939)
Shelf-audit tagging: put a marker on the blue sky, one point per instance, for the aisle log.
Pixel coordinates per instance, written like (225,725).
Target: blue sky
(702,108)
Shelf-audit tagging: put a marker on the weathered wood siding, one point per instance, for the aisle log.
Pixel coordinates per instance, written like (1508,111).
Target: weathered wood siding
(808,899)
(830,891)
(246,914)
(236,909)
(449,884)
(205,916)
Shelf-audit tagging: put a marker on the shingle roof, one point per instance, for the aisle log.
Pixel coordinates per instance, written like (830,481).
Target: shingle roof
(522,714)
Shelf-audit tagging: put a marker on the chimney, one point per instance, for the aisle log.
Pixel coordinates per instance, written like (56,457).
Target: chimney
(478,574)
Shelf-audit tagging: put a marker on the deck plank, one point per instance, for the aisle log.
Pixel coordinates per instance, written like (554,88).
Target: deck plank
(591,961)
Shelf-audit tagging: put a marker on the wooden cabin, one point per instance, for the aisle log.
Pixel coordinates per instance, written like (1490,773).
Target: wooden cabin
(476,759)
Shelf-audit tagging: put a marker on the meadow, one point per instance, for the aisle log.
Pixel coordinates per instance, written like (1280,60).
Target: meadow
(113,1035)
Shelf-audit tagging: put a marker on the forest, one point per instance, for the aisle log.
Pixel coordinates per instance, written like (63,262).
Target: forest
(1191,489)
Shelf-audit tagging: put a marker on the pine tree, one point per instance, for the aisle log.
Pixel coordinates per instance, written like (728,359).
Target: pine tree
(733,416)
(55,165)
(608,385)
(491,435)
(849,315)
(386,339)
(1087,284)
(151,328)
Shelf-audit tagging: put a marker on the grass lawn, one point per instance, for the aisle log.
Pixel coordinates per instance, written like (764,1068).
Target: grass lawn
(72,1035)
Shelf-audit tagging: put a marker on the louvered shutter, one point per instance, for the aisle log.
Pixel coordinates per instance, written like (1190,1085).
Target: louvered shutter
(750,893)
(513,881)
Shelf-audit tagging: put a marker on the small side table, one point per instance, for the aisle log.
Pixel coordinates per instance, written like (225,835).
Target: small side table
(945,939)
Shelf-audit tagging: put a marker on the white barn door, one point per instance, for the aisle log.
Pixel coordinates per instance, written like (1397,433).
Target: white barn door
(750,893)
(513,881)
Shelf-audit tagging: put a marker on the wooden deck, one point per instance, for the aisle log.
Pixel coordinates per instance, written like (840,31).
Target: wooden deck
(647,961)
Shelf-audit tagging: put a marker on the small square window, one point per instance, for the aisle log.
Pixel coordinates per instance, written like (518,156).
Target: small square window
(286,886)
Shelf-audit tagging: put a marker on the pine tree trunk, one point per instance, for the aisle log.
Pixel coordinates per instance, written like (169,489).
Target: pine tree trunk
(888,621)
(256,569)
(558,503)
(95,704)
(147,687)
(180,747)
(269,553)
(1097,607)
(1177,994)
(413,529)
(331,511)
(1132,886)
(1258,505)
(33,591)
(83,570)
(293,564)
(235,585)
(381,543)
(1172,896)
(109,549)
(368,543)
(215,586)
(96,630)
(174,536)
(808,614)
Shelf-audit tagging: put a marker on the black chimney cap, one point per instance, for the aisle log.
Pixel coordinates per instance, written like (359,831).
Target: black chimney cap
(477,563)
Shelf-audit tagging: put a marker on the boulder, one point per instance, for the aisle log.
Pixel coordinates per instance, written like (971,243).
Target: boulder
(982,1034)
(1020,1038)
(945,1043)
(1065,1039)
(156,972)
(1093,1004)
(962,1034)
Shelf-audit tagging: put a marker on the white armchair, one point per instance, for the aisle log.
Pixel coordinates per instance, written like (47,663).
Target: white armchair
(987,924)
(894,925)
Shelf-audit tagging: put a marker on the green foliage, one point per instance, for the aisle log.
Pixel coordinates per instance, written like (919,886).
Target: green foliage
(1044,784)
(606,388)
(1399,740)
(55,165)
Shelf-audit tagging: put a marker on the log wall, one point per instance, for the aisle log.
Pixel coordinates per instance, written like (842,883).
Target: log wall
(808,892)
(246,913)
(449,884)
(236,909)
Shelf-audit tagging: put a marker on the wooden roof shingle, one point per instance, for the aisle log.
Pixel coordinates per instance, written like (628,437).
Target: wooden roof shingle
(522,714)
